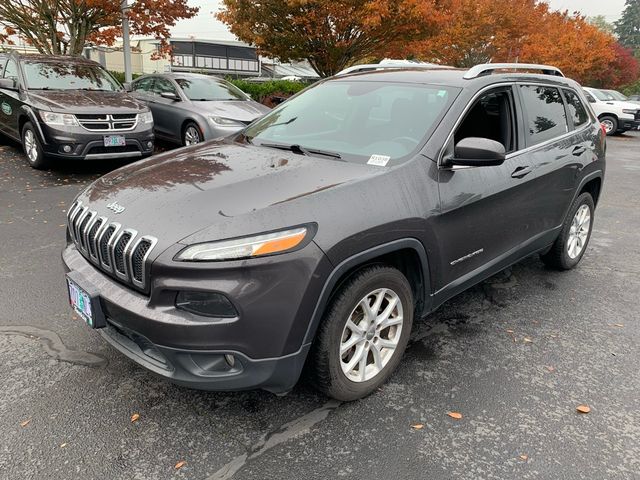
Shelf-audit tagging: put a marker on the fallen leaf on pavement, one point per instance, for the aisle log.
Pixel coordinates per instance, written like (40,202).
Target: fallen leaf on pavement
(524,457)
(135,417)
(63,445)
(619,325)
(455,415)
(180,464)
(527,340)
(583,408)
(25,423)
(551,369)
(509,331)
(417,426)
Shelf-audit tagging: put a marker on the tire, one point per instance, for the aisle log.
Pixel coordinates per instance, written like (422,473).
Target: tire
(189,132)
(328,365)
(610,124)
(32,148)
(562,256)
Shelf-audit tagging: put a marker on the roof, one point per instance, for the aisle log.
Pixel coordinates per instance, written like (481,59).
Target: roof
(449,76)
(38,57)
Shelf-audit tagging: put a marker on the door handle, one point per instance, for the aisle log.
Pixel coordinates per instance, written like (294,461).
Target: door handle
(579,150)
(521,172)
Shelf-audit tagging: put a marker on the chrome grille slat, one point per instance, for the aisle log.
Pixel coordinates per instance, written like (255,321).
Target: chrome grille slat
(117,122)
(115,250)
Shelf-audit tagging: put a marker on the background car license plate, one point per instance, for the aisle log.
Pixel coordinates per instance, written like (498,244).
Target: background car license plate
(114,141)
(80,302)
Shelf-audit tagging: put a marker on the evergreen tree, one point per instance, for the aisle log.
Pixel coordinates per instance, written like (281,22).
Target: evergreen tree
(628,27)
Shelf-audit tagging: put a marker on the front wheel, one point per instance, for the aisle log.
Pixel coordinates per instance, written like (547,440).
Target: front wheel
(363,334)
(191,134)
(569,247)
(32,148)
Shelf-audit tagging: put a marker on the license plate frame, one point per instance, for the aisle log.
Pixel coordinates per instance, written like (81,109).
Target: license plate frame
(115,141)
(85,301)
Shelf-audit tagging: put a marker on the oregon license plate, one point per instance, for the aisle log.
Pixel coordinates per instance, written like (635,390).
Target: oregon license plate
(85,301)
(114,141)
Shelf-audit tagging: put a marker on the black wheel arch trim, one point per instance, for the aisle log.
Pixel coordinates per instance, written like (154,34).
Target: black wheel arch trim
(586,179)
(31,115)
(360,259)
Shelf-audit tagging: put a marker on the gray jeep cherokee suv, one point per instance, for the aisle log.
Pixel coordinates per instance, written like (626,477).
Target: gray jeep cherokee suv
(70,108)
(318,234)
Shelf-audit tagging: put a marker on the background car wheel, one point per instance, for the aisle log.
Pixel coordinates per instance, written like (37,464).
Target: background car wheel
(569,247)
(610,124)
(32,148)
(191,134)
(363,334)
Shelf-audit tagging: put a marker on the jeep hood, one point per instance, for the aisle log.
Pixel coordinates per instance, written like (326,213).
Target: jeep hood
(220,191)
(81,101)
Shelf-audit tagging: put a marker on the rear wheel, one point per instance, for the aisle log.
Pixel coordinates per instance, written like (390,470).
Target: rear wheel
(610,124)
(191,134)
(363,334)
(569,247)
(32,148)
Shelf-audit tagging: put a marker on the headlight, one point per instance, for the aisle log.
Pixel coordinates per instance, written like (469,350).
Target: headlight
(247,247)
(52,118)
(226,122)
(146,117)
(629,111)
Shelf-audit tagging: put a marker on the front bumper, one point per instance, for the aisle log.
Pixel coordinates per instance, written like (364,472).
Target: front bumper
(87,145)
(275,298)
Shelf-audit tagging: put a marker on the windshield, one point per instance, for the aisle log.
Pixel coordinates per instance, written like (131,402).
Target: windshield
(358,120)
(603,95)
(209,89)
(617,95)
(68,76)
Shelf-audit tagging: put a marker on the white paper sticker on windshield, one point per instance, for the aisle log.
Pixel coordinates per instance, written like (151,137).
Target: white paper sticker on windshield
(379,160)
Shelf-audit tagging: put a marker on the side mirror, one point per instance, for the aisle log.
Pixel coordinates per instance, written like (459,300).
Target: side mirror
(170,96)
(127,87)
(477,152)
(8,83)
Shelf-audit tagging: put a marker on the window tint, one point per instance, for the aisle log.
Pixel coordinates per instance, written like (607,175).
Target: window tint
(11,70)
(545,116)
(491,117)
(143,85)
(162,85)
(589,97)
(577,112)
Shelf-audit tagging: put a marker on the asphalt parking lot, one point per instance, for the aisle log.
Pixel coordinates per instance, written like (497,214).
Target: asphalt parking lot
(514,356)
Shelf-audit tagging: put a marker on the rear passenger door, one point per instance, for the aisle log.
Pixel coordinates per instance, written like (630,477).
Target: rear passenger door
(555,149)
(166,112)
(487,213)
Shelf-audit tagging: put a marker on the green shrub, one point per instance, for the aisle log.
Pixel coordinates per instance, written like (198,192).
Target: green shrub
(259,91)
(120,76)
(633,89)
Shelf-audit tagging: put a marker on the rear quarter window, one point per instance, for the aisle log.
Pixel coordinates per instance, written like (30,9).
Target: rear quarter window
(545,116)
(577,111)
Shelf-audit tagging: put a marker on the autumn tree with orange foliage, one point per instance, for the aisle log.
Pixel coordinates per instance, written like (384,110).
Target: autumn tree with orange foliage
(65,26)
(330,34)
(526,31)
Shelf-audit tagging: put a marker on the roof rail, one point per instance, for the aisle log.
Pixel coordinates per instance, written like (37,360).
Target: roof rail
(489,68)
(388,65)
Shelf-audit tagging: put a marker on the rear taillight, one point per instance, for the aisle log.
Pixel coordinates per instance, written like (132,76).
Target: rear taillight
(604,130)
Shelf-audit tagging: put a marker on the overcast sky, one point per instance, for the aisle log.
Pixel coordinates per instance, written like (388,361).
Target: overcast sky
(207,27)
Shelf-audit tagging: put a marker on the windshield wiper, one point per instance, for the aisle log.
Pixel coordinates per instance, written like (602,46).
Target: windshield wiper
(295,148)
(93,89)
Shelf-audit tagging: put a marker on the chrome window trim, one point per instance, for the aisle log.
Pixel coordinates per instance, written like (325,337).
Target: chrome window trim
(153,241)
(512,154)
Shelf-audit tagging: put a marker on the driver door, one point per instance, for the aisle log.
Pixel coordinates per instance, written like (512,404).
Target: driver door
(486,212)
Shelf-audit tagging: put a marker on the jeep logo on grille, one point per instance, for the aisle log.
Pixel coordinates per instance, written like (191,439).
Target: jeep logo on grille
(115,207)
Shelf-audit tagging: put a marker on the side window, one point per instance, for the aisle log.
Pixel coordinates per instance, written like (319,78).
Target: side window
(577,112)
(589,97)
(11,70)
(162,85)
(143,85)
(545,117)
(491,116)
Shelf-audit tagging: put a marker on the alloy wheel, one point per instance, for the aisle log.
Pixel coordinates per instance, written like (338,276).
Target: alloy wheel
(579,231)
(191,136)
(31,146)
(371,335)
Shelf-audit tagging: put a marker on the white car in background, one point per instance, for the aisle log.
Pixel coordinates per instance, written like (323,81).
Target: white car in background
(616,116)
(621,96)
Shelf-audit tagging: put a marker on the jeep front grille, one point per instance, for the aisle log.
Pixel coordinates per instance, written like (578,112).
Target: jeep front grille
(104,122)
(115,250)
